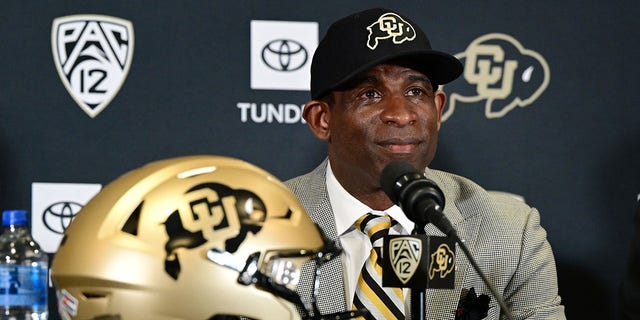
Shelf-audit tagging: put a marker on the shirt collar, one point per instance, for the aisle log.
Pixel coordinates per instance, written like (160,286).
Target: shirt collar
(347,209)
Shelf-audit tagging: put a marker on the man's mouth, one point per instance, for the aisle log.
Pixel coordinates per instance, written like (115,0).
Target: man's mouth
(400,146)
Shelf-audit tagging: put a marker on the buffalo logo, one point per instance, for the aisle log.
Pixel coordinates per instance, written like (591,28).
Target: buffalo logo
(443,261)
(390,25)
(92,54)
(405,253)
(211,211)
(58,216)
(223,208)
(500,72)
(284,55)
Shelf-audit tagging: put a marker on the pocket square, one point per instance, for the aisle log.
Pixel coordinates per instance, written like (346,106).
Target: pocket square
(472,306)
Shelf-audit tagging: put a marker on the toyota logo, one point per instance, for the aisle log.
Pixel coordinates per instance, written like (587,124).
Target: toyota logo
(284,55)
(58,216)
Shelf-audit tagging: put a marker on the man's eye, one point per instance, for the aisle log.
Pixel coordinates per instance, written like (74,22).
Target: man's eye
(416,91)
(370,94)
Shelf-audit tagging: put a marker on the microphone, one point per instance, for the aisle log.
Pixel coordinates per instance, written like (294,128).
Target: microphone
(419,198)
(422,202)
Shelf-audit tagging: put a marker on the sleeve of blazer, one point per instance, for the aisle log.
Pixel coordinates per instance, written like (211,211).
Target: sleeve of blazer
(532,292)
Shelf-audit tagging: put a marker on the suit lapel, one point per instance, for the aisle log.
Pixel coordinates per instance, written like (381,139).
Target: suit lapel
(442,303)
(460,209)
(332,297)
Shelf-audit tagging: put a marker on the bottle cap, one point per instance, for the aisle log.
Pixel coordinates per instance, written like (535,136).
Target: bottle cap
(15,217)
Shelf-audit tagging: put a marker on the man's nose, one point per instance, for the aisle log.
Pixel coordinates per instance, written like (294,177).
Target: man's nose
(398,112)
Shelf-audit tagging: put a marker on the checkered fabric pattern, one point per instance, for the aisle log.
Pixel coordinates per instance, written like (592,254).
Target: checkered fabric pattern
(503,234)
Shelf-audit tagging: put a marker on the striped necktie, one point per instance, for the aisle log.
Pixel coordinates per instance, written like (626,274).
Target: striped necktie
(382,303)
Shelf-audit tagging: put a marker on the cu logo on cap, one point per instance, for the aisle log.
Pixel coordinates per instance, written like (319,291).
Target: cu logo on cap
(284,55)
(58,216)
(390,26)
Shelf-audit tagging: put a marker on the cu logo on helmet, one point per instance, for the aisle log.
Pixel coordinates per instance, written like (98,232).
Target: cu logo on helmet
(58,216)
(213,207)
(284,55)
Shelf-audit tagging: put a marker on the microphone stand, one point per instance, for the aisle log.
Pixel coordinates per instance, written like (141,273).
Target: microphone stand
(418,295)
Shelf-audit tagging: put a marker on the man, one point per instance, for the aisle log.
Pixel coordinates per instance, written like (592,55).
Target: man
(374,80)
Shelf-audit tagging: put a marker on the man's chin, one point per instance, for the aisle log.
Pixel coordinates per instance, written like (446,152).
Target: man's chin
(412,159)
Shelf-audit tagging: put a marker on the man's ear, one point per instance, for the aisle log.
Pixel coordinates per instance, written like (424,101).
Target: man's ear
(440,100)
(317,114)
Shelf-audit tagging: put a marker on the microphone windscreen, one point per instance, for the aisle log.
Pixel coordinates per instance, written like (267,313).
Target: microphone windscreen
(391,174)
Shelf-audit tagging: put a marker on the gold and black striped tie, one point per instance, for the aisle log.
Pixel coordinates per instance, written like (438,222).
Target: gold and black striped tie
(382,303)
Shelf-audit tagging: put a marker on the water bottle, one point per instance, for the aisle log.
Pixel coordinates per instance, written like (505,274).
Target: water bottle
(23,271)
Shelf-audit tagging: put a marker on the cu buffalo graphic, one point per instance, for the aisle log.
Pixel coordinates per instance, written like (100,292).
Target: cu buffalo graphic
(213,209)
(500,73)
(390,26)
(214,215)
(442,262)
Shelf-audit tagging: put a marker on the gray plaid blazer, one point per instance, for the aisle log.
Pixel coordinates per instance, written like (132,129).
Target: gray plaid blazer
(503,234)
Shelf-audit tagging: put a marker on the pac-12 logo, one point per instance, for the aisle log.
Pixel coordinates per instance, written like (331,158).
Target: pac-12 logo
(92,54)
(500,73)
(406,253)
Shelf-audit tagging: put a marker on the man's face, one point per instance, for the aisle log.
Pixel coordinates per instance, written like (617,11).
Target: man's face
(390,114)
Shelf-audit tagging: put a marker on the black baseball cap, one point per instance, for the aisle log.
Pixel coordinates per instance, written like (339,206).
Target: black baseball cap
(360,41)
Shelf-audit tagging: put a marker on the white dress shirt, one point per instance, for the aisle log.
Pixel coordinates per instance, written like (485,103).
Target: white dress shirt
(355,244)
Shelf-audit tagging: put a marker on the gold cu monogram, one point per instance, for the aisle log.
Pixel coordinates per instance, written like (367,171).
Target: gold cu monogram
(505,75)
(442,260)
(487,72)
(390,25)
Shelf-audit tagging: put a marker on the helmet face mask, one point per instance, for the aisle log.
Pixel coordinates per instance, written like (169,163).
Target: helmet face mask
(279,272)
(199,237)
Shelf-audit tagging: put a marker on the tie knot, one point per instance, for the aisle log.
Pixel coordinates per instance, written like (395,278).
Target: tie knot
(374,226)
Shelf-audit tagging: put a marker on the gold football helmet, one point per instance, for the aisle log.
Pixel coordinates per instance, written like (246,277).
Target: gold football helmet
(197,237)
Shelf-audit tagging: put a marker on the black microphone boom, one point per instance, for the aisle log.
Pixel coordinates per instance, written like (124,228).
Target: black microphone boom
(418,197)
(422,201)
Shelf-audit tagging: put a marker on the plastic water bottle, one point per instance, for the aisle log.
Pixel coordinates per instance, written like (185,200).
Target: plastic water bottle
(23,271)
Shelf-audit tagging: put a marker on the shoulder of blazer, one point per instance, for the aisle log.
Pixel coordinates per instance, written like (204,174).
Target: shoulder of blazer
(311,191)
(309,188)
(465,199)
